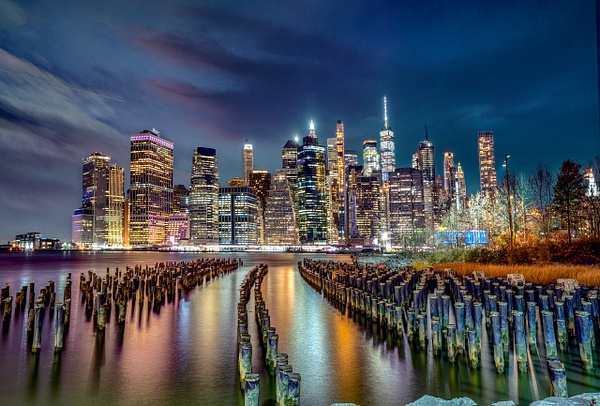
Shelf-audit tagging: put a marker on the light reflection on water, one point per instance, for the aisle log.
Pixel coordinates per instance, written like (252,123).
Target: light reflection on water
(186,354)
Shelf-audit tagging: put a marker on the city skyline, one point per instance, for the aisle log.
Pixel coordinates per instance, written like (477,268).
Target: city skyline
(74,85)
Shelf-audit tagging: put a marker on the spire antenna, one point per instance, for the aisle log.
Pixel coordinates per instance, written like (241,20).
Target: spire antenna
(312,125)
(426,134)
(385,117)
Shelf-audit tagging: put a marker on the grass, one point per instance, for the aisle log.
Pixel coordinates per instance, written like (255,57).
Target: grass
(538,274)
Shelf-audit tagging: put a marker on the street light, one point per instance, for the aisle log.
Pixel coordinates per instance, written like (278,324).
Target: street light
(509,206)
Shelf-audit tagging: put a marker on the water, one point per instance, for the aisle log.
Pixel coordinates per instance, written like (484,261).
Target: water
(187,354)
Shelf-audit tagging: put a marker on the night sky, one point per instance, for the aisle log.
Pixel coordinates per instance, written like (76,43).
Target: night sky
(78,77)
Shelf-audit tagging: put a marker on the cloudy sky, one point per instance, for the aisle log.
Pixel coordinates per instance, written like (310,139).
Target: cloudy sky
(78,77)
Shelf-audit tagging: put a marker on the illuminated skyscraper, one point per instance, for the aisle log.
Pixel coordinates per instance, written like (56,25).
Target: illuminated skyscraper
(204,197)
(449,178)
(289,158)
(341,169)
(260,180)
(592,187)
(312,190)
(487,166)
(238,215)
(280,218)
(407,206)
(424,161)
(248,162)
(332,156)
(370,157)
(179,220)
(151,188)
(386,144)
(368,209)
(350,157)
(100,219)
(461,188)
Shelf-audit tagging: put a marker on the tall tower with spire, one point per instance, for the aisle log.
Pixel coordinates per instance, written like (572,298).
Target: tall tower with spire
(386,145)
(248,157)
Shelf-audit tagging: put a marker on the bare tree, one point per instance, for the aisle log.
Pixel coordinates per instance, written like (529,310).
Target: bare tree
(541,183)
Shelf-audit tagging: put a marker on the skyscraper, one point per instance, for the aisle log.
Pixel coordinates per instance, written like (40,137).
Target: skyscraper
(312,191)
(350,158)
(248,157)
(461,188)
(368,209)
(289,158)
(151,188)
(386,144)
(260,181)
(407,206)
(340,166)
(238,215)
(487,166)
(449,178)
(204,197)
(370,157)
(100,218)
(425,163)
(179,220)
(280,218)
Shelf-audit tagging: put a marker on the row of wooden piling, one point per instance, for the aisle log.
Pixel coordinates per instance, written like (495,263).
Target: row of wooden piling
(100,293)
(423,304)
(36,309)
(287,382)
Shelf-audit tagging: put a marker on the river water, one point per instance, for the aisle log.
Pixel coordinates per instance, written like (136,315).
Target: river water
(187,353)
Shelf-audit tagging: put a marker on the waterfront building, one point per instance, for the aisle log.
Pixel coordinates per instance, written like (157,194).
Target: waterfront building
(204,198)
(248,157)
(34,241)
(406,207)
(102,203)
(387,146)
(461,188)
(237,215)
(82,229)
(312,190)
(260,180)
(179,220)
(151,188)
(280,217)
(370,157)
(487,166)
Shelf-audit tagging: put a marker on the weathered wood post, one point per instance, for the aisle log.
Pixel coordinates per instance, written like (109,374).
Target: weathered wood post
(293,389)
(422,327)
(37,327)
(503,311)
(561,324)
(520,340)
(497,341)
(435,335)
(284,373)
(473,348)
(272,353)
(558,378)
(584,339)
(549,336)
(459,308)
(59,327)
(252,390)
(451,342)
(532,323)
(7,308)
(477,319)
